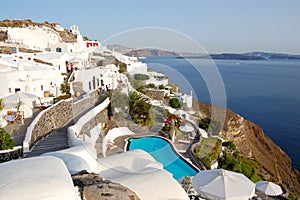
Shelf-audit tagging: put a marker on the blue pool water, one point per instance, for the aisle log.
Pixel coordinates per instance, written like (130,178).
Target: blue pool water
(162,151)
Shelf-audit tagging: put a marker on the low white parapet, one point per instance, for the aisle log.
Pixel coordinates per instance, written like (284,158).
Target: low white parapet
(74,139)
(11,150)
(112,135)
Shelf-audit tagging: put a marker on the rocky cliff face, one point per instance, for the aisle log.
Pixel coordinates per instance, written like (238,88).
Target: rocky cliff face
(253,143)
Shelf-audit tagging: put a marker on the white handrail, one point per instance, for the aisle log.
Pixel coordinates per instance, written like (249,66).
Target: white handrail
(73,131)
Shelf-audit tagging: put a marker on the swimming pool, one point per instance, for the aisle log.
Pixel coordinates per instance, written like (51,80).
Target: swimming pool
(162,151)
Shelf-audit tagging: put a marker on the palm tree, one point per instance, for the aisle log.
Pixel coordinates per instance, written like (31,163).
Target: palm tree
(139,109)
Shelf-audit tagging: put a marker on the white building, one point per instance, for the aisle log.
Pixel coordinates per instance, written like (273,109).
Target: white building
(157,79)
(33,37)
(186,99)
(17,73)
(44,38)
(97,77)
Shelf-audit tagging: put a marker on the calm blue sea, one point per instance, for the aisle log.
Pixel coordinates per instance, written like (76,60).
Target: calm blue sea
(266,92)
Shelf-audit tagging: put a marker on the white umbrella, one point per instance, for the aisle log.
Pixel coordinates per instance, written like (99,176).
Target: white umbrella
(222,184)
(268,188)
(186,128)
(25,98)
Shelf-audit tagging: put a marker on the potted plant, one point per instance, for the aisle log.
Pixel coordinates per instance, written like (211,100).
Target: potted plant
(46,94)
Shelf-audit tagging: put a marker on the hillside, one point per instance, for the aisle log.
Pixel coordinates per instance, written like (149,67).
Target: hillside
(253,143)
(149,52)
(220,56)
(66,35)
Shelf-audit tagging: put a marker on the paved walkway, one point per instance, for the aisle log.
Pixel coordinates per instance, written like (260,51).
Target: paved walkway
(58,139)
(18,130)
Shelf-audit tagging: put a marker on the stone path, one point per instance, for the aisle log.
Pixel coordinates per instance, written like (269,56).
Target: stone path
(54,142)
(58,139)
(19,129)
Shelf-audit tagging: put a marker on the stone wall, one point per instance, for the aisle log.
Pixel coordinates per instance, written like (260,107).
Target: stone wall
(77,87)
(83,104)
(156,94)
(7,155)
(101,117)
(53,118)
(57,116)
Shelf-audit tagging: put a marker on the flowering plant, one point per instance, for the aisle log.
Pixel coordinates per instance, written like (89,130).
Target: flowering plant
(172,120)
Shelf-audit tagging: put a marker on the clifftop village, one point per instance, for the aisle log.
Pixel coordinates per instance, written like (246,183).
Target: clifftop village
(76,117)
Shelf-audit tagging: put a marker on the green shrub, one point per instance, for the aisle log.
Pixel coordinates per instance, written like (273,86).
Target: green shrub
(6,142)
(151,85)
(229,144)
(204,123)
(249,168)
(139,109)
(62,97)
(161,87)
(211,126)
(1,105)
(136,84)
(208,151)
(65,88)
(229,161)
(174,103)
(141,89)
(207,161)
(122,68)
(141,77)
(292,196)
(119,101)
(234,162)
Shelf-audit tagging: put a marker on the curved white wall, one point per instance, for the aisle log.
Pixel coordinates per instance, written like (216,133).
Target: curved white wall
(74,139)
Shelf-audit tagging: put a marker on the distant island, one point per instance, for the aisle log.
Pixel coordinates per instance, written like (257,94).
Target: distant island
(222,56)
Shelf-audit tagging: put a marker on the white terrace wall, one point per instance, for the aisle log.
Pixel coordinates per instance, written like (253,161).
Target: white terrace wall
(79,134)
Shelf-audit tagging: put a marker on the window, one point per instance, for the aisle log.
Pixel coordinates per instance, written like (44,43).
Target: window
(90,85)
(42,87)
(98,82)
(17,90)
(94,82)
(9,90)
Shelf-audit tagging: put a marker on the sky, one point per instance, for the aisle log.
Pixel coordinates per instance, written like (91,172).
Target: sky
(217,26)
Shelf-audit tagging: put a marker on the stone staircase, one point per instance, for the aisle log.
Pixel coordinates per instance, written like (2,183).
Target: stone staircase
(58,139)
(55,141)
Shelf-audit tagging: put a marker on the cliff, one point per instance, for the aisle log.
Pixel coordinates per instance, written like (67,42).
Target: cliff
(149,52)
(253,143)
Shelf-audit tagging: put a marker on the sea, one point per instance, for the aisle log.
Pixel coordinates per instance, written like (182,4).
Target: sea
(266,92)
